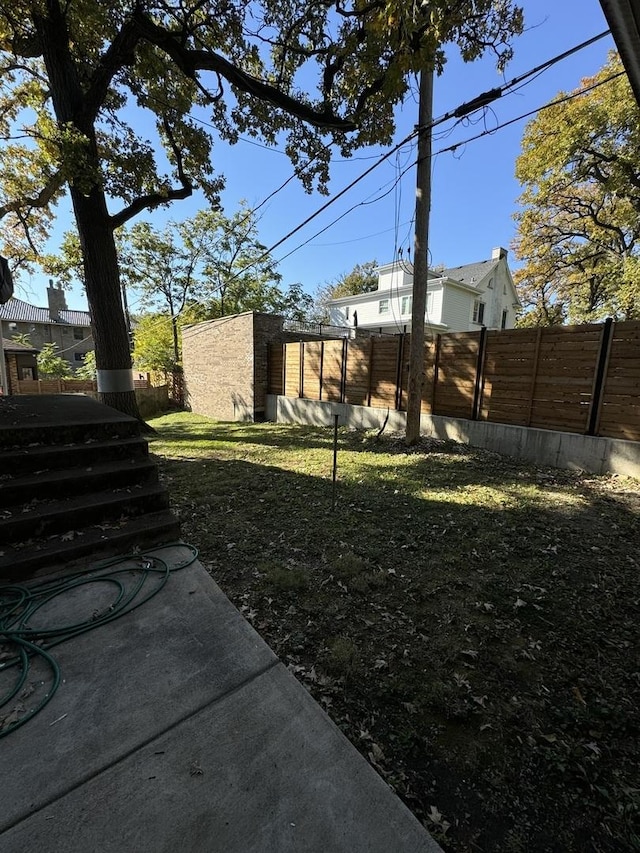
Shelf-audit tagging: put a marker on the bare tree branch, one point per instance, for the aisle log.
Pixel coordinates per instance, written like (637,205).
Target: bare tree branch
(192,61)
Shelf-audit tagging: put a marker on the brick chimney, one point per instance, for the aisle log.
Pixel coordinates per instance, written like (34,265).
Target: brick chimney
(498,253)
(56,299)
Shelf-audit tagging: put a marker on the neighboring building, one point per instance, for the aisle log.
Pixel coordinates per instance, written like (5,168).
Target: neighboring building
(70,330)
(459,299)
(20,363)
(225,364)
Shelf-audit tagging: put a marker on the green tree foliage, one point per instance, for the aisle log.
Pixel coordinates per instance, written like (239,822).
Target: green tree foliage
(87,369)
(363,278)
(22,338)
(295,304)
(579,227)
(78,80)
(154,343)
(236,273)
(209,266)
(52,366)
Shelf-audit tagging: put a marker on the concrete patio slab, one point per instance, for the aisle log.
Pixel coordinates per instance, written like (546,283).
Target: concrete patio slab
(176,728)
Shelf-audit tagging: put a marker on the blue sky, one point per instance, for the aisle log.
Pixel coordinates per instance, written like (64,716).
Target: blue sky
(474,189)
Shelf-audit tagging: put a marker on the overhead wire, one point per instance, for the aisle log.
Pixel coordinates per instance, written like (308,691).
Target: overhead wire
(569,97)
(460,113)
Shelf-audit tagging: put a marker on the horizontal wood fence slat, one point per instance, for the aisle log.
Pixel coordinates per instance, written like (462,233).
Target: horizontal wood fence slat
(55,386)
(582,379)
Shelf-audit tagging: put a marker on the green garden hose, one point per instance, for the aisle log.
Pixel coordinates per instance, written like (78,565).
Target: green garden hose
(21,643)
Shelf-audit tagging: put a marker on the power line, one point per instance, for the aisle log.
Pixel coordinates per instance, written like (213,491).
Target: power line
(485,98)
(555,103)
(460,112)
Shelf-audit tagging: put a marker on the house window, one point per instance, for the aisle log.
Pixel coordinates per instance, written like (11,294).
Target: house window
(490,285)
(65,331)
(383,306)
(346,312)
(13,327)
(429,303)
(78,356)
(478,311)
(504,289)
(78,334)
(407,303)
(503,322)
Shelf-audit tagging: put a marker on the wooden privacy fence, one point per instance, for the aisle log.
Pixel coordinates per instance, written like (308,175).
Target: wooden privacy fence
(54,386)
(582,379)
(64,386)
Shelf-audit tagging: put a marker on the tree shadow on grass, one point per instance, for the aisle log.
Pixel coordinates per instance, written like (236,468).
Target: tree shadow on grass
(481,645)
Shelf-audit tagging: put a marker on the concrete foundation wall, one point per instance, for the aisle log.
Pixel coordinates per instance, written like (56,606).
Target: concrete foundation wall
(225,365)
(542,447)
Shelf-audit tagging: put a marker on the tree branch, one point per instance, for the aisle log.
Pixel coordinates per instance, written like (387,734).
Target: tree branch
(119,53)
(148,202)
(41,200)
(191,61)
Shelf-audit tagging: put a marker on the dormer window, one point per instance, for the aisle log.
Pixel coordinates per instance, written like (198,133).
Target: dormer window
(490,285)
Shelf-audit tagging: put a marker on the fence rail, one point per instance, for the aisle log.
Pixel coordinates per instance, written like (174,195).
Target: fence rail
(581,379)
(64,386)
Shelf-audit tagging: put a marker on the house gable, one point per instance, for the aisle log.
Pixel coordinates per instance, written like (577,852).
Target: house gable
(452,297)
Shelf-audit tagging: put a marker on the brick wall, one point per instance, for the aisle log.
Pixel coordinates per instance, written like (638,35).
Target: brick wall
(12,371)
(225,365)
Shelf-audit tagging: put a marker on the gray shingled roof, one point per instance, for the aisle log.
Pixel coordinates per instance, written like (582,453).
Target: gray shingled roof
(15,310)
(14,346)
(471,273)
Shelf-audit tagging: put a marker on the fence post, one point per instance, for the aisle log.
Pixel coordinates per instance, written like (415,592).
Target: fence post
(370,371)
(477,395)
(534,375)
(602,364)
(436,367)
(301,371)
(284,369)
(269,369)
(321,368)
(399,372)
(343,377)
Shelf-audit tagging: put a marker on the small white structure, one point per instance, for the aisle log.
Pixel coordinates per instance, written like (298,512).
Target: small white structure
(459,299)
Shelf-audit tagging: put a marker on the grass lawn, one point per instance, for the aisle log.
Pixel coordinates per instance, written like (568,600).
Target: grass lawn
(469,622)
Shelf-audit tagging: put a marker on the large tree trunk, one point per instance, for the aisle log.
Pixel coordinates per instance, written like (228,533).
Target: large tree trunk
(102,278)
(102,281)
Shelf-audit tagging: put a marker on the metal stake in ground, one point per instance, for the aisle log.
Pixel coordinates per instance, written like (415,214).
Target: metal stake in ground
(335,461)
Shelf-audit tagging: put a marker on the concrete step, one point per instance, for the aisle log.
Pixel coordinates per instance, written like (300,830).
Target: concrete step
(25,460)
(71,482)
(46,518)
(60,419)
(31,435)
(87,545)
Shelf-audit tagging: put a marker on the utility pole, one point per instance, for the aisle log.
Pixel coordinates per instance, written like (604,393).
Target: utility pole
(420,257)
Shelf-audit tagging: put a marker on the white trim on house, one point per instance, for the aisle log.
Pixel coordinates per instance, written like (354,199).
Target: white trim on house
(451,295)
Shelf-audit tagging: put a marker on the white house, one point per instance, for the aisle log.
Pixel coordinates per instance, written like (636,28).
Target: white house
(459,299)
